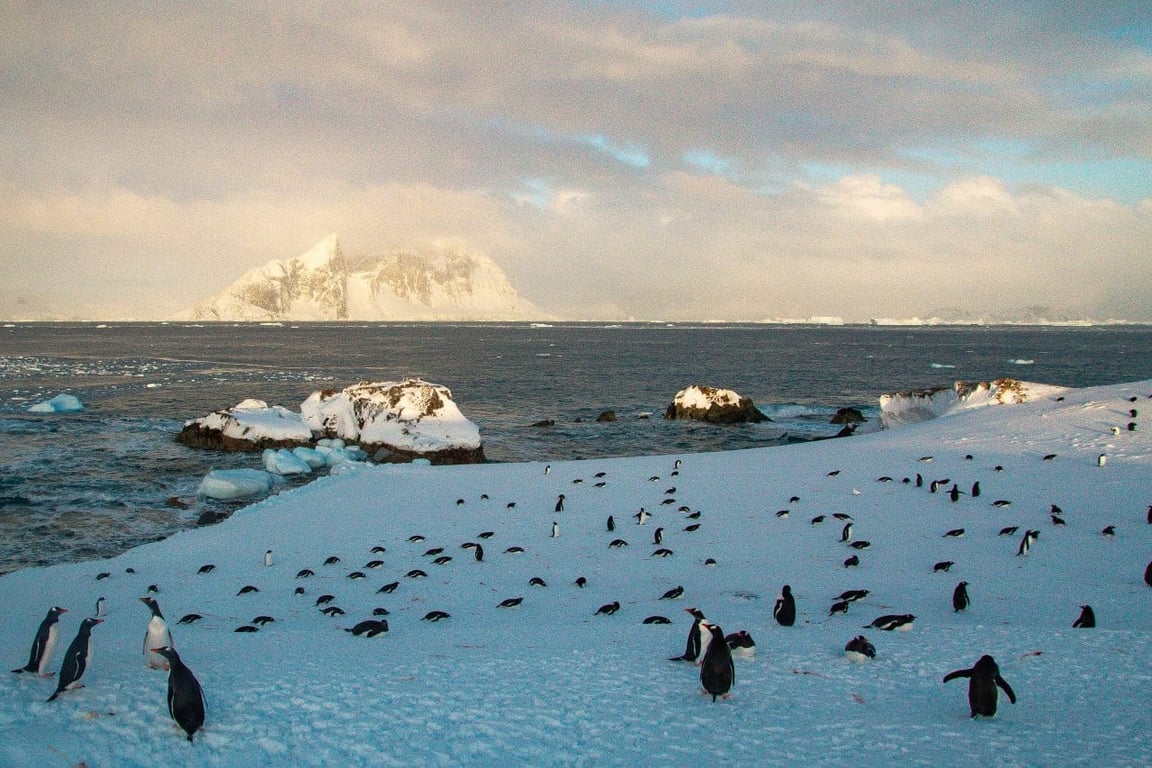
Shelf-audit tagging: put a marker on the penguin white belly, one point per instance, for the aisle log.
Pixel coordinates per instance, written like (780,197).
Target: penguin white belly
(157,636)
(855,656)
(744,653)
(49,648)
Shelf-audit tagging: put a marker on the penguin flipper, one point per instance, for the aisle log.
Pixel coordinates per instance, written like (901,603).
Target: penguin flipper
(1006,688)
(957,674)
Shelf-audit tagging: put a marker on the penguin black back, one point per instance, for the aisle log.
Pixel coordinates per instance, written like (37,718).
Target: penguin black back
(983,679)
(76,658)
(960,600)
(717,671)
(1086,619)
(785,610)
(185,696)
(43,644)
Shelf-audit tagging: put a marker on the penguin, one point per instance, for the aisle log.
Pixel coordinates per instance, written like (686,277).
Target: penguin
(1086,619)
(611,523)
(100,601)
(1009,530)
(840,606)
(368,628)
(943,566)
(852,562)
(919,480)
(267,557)
(960,599)
(717,672)
(1148,574)
(955,533)
(1108,532)
(983,679)
(785,609)
(846,532)
(954,493)
(560,503)
(641,516)
(608,608)
(1150,514)
(581,582)
(852,595)
(478,553)
(673,594)
(859,649)
(658,537)
(511,602)
(692,648)
(1026,543)
(435,616)
(536,581)
(156,636)
(76,659)
(975,489)
(741,645)
(889,622)
(305,573)
(43,644)
(555,530)
(657,619)
(185,696)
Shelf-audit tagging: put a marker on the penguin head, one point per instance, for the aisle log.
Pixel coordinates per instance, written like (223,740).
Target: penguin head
(152,605)
(55,611)
(167,652)
(787,590)
(696,613)
(90,622)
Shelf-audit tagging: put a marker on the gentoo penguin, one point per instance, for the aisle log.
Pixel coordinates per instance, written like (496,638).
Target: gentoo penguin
(100,602)
(976,489)
(641,516)
(185,696)
(741,644)
(852,562)
(983,678)
(954,493)
(369,628)
(785,609)
(611,523)
(846,532)
(156,636)
(1148,574)
(267,560)
(43,644)
(889,622)
(1150,514)
(1086,619)
(1026,543)
(859,649)
(960,600)
(852,595)
(478,553)
(673,594)
(76,659)
(555,530)
(560,503)
(658,536)
(692,649)
(717,672)
(608,608)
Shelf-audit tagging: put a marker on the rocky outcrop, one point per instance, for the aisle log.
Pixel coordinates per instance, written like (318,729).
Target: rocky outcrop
(848,416)
(913,406)
(716,406)
(252,425)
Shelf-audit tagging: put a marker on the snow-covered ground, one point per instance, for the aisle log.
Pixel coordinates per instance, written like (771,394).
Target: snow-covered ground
(551,683)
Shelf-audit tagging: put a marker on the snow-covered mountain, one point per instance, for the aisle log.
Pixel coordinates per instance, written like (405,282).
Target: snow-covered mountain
(323,284)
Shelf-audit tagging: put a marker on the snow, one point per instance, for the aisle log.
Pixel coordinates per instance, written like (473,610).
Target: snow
(901,408)
(704,398)
(62,403)
(550,683)
(255,419)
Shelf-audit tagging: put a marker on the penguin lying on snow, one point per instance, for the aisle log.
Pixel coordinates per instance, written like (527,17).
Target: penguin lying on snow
(984,677)
(43,644)
(741,644)
(185,696)
(76,659)
(859,649)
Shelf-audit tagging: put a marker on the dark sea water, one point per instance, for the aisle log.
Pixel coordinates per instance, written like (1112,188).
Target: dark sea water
(91,484)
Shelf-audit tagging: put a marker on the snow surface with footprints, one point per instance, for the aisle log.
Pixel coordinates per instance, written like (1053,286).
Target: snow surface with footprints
(551,683)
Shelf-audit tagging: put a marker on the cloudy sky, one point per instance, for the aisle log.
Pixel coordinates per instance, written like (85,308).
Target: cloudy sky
(647,159)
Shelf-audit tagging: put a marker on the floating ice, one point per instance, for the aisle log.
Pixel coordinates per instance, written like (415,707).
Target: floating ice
(63,403)
(226,484)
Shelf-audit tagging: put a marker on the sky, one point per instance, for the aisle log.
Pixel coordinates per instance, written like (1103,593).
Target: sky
(619,160)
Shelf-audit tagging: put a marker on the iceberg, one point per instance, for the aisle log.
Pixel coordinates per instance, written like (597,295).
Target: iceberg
(63,403)
(228,484)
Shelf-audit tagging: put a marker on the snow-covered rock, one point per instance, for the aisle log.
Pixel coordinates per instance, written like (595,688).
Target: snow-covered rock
(409,419)
(251,425)
(62,403)
(718,406)
(324,284)
(228,484)
(914,406)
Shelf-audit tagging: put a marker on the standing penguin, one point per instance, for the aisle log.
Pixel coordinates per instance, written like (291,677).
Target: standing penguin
(76,659)
(156,636)
(785,609)
(1086,619)
(976,489)
(846,532)
(1148,574)
(717,672)
(960,600)
(984,677)
(560,503)
(99,607)
(478,553)
(268,557)
(555,530)
(658,537)
(185,697)
(611,523)
(692,648)
(44,644)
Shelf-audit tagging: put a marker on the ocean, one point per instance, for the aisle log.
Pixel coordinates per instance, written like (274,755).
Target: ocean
(95,483)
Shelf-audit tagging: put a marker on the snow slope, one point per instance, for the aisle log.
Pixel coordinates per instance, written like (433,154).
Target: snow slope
(550,683)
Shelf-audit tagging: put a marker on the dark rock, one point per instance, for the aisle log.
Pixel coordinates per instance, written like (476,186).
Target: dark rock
(848,416)
(196,435)
(606,416)
(723,406)
(545,423)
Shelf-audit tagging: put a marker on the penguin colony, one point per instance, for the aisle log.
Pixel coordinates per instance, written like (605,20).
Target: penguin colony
(707,646)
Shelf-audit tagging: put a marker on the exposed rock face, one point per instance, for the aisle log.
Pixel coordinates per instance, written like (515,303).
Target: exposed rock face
(716,406)
(405,420)
(392,421)
(323,284)
(252,425)
(848,416)
(912,406)
(606,416)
